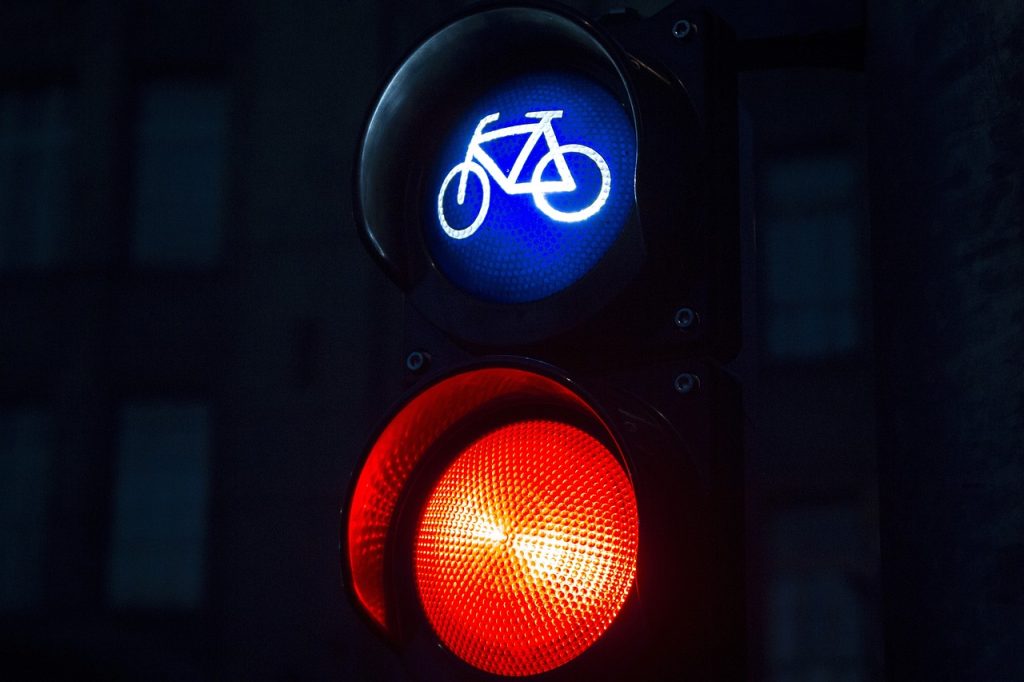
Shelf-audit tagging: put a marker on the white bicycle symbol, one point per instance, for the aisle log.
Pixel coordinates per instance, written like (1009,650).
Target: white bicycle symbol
(479,163)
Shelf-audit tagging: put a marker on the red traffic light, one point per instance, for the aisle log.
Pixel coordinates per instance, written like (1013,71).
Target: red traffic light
(424,429)
(510,521)
(526,548)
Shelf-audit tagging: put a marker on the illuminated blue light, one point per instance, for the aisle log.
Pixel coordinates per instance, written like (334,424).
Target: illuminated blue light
(532,186)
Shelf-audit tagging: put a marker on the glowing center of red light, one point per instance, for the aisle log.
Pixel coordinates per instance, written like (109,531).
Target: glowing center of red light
(526,549)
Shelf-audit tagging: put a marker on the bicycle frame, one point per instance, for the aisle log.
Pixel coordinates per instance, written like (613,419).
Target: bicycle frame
(510,183)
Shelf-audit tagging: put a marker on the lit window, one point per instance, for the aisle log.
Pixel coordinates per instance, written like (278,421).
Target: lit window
(35,177)
(25,458)
(160,501)
(179,174)
(810,226)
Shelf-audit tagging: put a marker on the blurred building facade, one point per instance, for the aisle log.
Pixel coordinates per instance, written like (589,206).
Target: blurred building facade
(191,340)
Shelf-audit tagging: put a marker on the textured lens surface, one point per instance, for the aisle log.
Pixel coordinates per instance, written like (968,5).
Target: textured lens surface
(398,450)
(526,548)
(514,235)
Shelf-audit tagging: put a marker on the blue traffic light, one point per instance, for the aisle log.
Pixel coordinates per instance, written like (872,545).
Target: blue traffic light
(534,182)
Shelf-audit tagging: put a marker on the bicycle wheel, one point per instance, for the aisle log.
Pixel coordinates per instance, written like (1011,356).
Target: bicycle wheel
(540,199)
(485,200)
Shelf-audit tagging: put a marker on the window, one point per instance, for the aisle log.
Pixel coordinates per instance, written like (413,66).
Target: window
(816,616)
(179,174)
(810,225)
(160,501)
(35,177)
(26,442)
(816,628)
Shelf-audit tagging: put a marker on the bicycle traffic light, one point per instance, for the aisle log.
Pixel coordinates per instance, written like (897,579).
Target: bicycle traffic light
(559,491)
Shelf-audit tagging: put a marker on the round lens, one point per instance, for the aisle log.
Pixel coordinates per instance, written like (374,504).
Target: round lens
(532,186)
(526,548)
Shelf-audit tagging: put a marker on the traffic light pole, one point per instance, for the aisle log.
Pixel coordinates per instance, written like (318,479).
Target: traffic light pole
(946,113)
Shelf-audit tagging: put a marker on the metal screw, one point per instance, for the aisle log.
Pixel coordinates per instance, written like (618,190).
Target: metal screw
(685,318)
(417,361)
(682,28)
(687,383)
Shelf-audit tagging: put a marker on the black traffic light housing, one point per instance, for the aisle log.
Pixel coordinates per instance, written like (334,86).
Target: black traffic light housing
(638,339)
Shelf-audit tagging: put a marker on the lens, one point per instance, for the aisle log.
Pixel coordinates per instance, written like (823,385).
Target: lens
(526,548)
(533,185)
(399,449)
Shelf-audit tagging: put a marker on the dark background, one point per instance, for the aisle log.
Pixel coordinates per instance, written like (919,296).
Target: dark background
(193,342)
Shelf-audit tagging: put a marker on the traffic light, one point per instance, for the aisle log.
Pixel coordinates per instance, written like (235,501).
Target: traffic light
(559,491)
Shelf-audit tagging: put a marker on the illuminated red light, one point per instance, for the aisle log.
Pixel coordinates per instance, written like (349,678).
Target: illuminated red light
(526,547)
(399,449)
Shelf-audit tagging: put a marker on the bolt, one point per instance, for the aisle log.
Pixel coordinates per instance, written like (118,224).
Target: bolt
(685,318)
(682,28)
(687,383)
(417,361)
